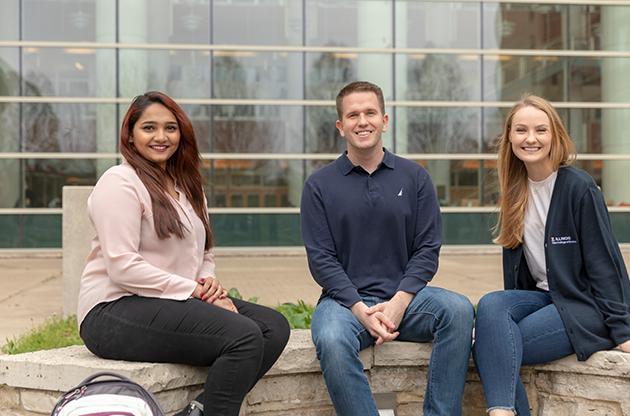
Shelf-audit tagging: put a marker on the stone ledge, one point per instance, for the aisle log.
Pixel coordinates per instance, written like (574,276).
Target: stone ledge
(30,383)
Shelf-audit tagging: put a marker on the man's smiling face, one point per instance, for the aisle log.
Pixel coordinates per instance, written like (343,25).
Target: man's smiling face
(363,122)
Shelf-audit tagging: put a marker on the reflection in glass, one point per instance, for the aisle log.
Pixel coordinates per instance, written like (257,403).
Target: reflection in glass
(439,77)
(67,72)
(257,129)
(179,74)
(275,22)
(585,128)
(332,22)
(44,179)
(251,183)
(73,127)
(544,26)
(10,20)
(267,75)
(328,73)
(440,130)
(508,77)
(70,20)
(440,24)
(164,21)
(9,62)
(524,26)
(464,183)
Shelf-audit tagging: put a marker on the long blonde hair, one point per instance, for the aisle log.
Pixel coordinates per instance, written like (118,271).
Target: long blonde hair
(513,175)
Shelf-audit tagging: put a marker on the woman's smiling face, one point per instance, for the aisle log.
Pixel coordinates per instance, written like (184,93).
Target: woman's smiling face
(531,137)
(156,134)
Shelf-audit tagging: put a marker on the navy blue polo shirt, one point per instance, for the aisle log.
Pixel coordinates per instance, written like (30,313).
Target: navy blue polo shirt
(371,234)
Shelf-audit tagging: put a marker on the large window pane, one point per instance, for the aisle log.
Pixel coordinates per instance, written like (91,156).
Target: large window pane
(257,129)
(179,74)
(463,183)
(272,22)
(44,179)
(266,75)
(438,77)
(439,24)
(253,183)
(10,20)
(70,20)
(508,77)
(69,72)
(552,26)
(524,26)
(439,130)
(164,21)
(11,190)
(328,72)
(51,127)
(9,64)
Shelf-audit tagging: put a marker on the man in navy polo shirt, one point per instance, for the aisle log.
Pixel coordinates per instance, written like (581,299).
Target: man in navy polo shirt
(372,228)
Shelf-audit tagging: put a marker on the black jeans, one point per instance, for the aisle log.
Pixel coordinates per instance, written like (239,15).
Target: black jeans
(241,348)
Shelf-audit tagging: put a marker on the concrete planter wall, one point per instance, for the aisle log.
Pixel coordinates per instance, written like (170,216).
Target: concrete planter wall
(31,383)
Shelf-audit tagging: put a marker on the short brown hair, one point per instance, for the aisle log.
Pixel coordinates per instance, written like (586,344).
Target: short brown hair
(359,86)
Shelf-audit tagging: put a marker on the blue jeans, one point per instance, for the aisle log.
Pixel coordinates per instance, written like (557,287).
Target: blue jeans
(514,328)
(433,314)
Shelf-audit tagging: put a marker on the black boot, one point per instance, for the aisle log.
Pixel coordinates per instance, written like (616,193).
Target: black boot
(194,408)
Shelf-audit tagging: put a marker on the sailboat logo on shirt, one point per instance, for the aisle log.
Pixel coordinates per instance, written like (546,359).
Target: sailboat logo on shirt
(400,192)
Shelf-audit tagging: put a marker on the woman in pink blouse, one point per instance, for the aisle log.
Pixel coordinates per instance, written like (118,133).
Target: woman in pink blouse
(149,291)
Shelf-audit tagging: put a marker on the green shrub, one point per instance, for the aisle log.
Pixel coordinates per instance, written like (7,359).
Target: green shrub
(54,333)
(299,316)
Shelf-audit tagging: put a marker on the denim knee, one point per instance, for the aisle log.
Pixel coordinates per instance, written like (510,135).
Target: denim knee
(458,311)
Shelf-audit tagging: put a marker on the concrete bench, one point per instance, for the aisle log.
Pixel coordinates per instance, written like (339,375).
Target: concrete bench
(31,383)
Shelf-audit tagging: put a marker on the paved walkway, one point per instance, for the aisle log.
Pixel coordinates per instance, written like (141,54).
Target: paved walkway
(31,287)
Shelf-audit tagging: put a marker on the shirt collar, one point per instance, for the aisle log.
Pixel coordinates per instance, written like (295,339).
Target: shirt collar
(346,165)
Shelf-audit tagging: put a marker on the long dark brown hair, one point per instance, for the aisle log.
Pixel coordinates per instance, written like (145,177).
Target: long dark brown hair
(513,175)
(183,166)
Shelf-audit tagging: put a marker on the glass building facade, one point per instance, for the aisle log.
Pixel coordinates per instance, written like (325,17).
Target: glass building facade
(258,79)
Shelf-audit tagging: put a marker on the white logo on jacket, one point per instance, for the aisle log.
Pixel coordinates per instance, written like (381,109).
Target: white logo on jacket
(567,239)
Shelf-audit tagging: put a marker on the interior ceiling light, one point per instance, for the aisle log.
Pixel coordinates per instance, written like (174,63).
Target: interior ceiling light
(79,19)
(191,21)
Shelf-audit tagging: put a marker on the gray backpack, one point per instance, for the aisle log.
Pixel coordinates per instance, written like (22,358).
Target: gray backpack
(113,396)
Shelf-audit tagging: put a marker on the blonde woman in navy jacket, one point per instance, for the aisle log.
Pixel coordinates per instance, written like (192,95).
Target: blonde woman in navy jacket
(567,288)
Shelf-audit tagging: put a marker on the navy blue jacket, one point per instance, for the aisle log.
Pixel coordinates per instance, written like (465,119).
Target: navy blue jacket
(588,280)
(371,235)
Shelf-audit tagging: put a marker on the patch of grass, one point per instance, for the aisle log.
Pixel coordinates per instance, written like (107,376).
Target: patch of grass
(54,333)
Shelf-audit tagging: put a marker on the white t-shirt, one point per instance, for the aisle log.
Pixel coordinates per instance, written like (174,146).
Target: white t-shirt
(534,228)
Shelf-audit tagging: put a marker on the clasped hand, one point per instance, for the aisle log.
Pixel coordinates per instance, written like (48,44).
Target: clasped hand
(210,290)
(382,320)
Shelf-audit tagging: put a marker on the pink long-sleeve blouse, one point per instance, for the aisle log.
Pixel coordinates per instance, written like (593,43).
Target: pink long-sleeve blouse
(127,256)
